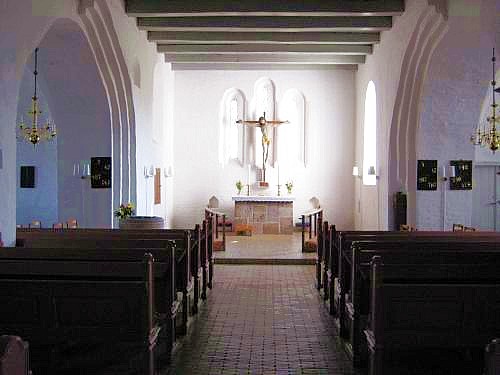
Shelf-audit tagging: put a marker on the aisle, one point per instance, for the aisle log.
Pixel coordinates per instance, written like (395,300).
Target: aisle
(262,319)
(262,247)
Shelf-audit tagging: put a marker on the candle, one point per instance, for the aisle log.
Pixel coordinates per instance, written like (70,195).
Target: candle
(248,174)
(278,172)
(74,169)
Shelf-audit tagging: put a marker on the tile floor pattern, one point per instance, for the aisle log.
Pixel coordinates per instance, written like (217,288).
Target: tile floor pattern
(263,319)
(264,246)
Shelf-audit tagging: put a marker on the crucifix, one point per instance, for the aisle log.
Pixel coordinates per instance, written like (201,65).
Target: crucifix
(264,125)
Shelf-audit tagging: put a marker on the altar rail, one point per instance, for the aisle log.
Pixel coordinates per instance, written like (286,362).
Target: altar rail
(310,224)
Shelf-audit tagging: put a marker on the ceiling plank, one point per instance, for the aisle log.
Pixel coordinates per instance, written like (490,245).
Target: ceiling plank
(188,8)
(170,37)
(276,24)
(265,59)
(229,66)
(334,49)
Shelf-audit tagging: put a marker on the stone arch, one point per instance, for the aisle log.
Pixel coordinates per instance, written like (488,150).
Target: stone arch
(431,27)
(98,25)
(75,97)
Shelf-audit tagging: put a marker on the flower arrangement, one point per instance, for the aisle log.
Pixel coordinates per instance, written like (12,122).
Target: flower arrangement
(289,186)
(124,211)
(239,186)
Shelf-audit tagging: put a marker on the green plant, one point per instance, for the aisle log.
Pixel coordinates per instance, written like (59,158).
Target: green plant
(289,186)
(124,211)
(239,185)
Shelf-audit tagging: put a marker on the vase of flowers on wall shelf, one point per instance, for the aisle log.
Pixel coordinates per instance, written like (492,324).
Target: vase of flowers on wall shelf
(239,186)
(289,186)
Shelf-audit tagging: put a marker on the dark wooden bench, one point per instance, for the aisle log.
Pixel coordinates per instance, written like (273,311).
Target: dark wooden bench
(340,253)
(186,274)
(88,310)
(354,312)
(199,238)
(14,356)
(437,305)
(492,358)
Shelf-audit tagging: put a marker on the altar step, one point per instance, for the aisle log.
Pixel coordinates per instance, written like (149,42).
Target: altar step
(272,261)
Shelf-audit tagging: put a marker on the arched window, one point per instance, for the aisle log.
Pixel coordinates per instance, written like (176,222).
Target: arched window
(370,137)
(231,135)
(263,101)
(291,136)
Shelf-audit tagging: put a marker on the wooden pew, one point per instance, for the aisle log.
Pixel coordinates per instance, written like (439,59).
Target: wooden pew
(355,310)
(492,358)
(444,305)
(25,237)
(340,252)
(184,269)
(103,302)
(14,356)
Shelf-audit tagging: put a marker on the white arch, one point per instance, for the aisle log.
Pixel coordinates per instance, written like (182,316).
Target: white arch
(264,100)
(226,127)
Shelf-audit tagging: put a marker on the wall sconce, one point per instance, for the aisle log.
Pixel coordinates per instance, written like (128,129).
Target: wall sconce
(449,171)
(149,171)
(371,171)
(355,172)
(168,171)
(83,172)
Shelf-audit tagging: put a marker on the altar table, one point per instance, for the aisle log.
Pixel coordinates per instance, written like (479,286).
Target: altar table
(266,214)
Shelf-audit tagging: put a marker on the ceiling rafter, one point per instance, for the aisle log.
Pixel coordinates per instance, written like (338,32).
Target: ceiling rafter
(185,37)
(189,8)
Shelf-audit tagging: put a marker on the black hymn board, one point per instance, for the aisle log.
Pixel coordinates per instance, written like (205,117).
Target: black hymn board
(27,177)
(427,175)
(100,175)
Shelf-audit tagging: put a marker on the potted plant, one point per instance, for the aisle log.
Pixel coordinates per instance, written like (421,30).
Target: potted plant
(239,186)
(289,186)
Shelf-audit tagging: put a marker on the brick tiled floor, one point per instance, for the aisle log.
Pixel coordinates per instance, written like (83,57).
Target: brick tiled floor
(264,246)
(262,320)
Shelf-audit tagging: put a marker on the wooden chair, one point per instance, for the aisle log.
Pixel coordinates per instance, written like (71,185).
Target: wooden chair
(35,224)
(469,229)
(72,223)
(57,226)
(458,227)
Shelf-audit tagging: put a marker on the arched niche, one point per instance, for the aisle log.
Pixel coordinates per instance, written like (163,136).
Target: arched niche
(264,100)
(370,136)
(76,99)
(291,145)
(232,135)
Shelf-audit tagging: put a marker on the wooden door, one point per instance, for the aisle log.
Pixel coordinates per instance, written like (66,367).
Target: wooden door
(486,198)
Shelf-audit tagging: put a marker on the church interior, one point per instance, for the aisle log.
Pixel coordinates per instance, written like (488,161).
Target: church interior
(249,187)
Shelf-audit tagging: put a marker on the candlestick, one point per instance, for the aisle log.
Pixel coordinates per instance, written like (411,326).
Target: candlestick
(278,174)
(248,174)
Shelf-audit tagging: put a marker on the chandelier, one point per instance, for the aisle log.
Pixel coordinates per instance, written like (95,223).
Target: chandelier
(489,136)
(35,134)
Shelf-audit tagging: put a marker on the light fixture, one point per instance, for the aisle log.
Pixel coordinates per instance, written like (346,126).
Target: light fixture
(371,171)
(489,136)
(34,134)
(449,171)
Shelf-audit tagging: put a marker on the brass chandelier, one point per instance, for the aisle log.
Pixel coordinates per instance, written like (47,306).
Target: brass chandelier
(489,136)
(35,134)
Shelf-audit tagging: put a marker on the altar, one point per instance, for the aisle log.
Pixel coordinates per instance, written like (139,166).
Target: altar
(266,214)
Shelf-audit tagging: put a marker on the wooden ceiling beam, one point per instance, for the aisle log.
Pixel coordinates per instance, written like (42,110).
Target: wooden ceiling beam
(186,37)
(265,59)
(283,49)
(274,24)
(189,8)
